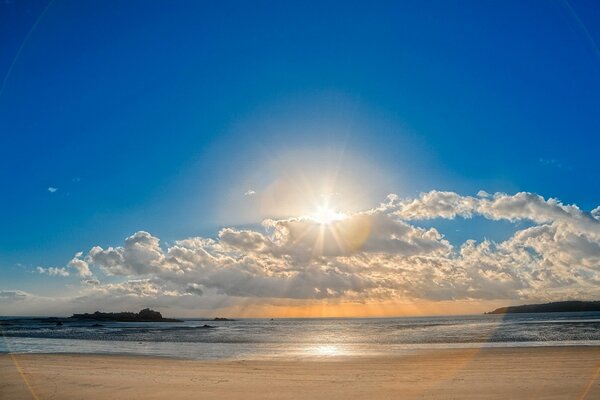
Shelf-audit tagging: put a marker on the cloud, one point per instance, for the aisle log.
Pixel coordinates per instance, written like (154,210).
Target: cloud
(81,266)
(12,295)
(501,206)
(141,255)
(52,189)
(249,192)
(194,288)
(551,162)
(53,271)
(380,254)
(596,213)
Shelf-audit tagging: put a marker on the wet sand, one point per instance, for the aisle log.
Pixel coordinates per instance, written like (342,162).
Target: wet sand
(513,373)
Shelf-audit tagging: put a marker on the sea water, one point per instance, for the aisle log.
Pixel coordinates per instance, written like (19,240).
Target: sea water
(297,338)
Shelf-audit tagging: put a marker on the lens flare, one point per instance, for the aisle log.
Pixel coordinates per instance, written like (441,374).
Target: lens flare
(325,215)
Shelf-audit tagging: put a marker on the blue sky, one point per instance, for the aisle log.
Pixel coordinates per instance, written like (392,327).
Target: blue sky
(157,116)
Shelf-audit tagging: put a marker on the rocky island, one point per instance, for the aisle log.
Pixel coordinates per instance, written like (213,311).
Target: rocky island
(558,306)
(145,315)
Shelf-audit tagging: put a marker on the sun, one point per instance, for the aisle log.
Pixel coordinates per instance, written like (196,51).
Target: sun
(325,215)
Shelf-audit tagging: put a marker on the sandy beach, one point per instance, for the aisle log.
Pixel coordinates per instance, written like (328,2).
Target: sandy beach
(516,373)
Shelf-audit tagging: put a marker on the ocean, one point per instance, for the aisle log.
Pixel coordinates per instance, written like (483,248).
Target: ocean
(299,338)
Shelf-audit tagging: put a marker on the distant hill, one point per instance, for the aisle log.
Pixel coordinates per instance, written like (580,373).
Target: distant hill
(145,315)
(558,306)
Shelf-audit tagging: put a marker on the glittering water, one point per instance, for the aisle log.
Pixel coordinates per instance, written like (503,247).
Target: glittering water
(259,338)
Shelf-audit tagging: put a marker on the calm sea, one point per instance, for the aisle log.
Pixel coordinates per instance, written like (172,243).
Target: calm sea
(298,338)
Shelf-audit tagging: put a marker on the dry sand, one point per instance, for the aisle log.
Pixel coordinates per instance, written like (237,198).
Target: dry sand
(518,373)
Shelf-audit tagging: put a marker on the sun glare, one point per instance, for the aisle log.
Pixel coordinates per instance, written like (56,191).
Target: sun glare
(326,350)
(325,215)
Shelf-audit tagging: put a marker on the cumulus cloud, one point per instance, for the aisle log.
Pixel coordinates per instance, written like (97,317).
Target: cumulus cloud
(52,189)
(140,255)
(249,192)
(501,206)
(378,254)
(81,266)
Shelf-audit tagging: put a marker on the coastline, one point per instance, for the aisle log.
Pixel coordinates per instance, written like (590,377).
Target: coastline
(490,373)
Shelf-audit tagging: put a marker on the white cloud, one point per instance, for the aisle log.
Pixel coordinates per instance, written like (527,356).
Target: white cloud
(81,266)
(53,271)
(501,206)
(376,254)
(141,255)
(596,213)
(249,192)
(52,189)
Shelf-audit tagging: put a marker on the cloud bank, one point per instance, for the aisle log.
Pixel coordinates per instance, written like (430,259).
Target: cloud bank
(376,255)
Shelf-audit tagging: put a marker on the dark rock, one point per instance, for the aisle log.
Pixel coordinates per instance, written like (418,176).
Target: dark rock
(559,306)
(145,315)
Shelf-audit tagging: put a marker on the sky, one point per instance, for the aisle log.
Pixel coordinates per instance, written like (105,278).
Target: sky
(298,158)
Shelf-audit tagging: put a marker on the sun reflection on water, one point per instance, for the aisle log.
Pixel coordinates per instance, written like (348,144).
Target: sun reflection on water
(326,350)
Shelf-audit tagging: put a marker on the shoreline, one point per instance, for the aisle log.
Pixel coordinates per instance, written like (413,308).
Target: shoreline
(409,351)
(333,352)
(488,373)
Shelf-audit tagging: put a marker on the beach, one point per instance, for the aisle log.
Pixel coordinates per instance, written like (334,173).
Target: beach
(490,373)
